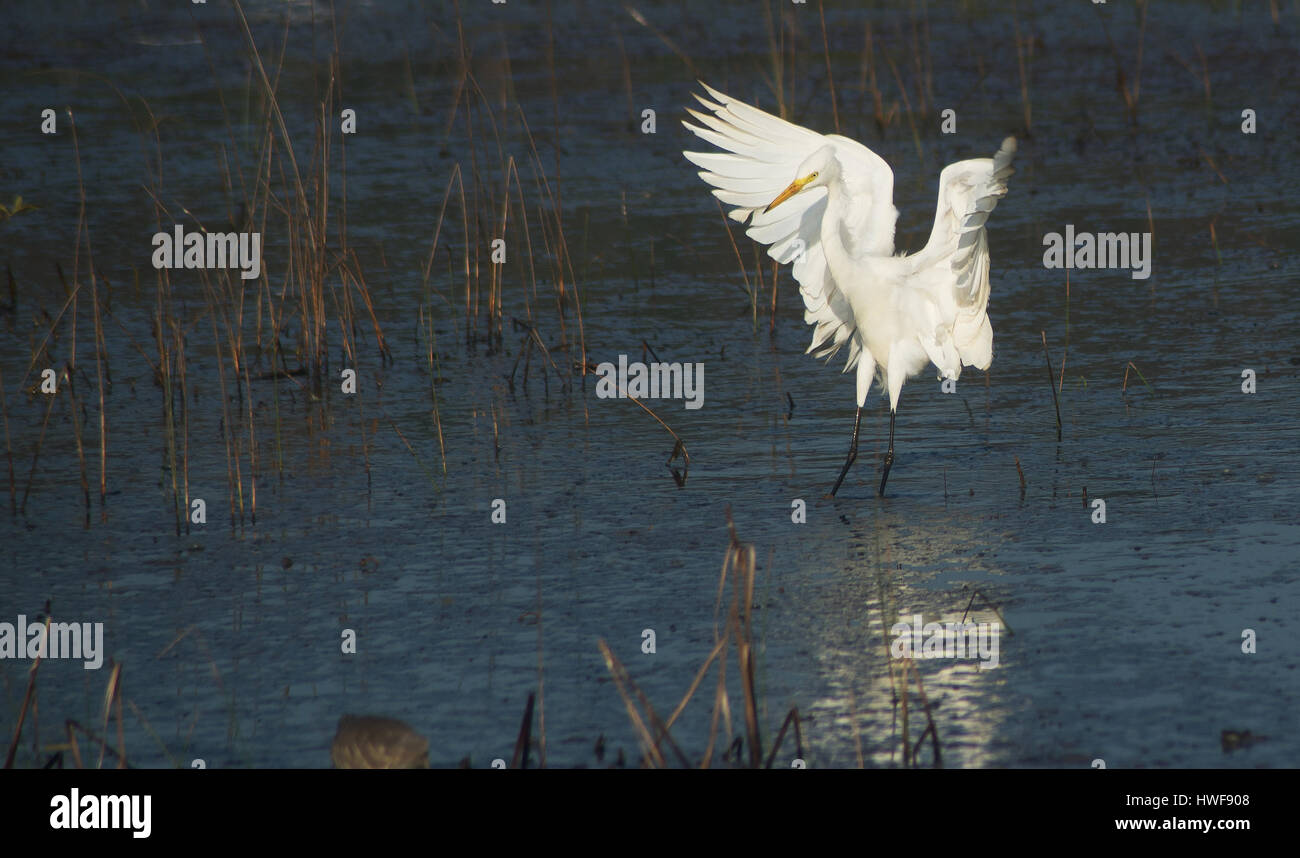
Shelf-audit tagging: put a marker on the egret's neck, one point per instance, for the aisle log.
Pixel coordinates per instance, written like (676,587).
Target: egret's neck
(833,231)
(874,238)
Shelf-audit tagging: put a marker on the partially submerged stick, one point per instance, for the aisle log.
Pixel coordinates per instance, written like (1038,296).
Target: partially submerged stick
(1052,385)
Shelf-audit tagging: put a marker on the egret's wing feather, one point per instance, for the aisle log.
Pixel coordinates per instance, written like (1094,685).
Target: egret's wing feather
(955,261)
(762,153)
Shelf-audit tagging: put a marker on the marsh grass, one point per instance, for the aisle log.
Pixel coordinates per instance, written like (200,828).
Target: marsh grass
(869,83)
(30,706)
(903,677)
(735,734)
(1025,46)
(271,348)
(899,675)
(99,345)
(511,204)
(9,449)
(830,77)
(1128,84)
(743,744)
(43,358)
(1132,366)
(313,310)
(1051,383)
(1201,76)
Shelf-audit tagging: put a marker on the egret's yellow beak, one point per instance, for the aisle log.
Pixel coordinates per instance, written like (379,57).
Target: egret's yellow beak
(795,187)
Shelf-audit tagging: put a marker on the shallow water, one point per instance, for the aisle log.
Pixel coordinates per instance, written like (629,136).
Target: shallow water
(1127,634)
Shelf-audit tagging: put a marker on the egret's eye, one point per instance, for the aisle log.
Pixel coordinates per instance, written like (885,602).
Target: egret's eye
(813,176)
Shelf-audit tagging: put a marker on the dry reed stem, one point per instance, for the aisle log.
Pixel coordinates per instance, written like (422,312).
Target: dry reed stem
(619,673)
(930,728)
(907,105)
(1133,366)
(112,695)
(738,566)
(101,349)
(9,450)
(1060,385)
(72,727)
(1052,385)
(522,743)
(28,697)
(791,718)
(1022,64)
(678,449)
(991,606)
(830,79)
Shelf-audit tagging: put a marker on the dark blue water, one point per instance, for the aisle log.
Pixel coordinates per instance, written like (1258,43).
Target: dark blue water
(372,512)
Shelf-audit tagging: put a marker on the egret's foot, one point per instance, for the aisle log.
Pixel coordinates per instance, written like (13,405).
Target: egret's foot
(853,455)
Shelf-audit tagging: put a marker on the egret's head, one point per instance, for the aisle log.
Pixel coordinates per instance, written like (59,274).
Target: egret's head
(817,170)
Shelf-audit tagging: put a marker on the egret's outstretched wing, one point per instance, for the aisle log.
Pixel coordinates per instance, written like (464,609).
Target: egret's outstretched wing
(761,157)
(955,261)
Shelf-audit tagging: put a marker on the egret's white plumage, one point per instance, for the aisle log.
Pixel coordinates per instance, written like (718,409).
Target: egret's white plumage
(835,222)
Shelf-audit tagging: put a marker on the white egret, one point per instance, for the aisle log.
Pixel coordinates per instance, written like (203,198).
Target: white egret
(835,222)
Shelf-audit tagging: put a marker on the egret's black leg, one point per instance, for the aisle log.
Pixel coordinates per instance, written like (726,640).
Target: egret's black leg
(889,454)
(853,452)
